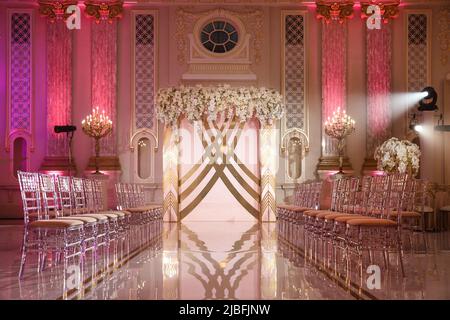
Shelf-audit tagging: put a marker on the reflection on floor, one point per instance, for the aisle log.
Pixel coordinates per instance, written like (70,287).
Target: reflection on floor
(224,260)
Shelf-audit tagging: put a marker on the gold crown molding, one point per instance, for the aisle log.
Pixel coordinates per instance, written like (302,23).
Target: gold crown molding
(253,20)
(104,10)
(388,10)
(55,10)
(334,11)
(444,34)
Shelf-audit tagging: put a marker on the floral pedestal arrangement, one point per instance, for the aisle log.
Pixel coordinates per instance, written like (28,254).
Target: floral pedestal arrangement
(398,156)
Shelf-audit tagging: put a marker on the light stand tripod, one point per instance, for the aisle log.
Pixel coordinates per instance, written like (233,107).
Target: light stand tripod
(69,139)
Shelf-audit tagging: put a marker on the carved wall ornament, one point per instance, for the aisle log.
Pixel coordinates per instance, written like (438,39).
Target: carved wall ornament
(334,11)
(444,34)
(187,18)
(388,10)
(55,10)
(104,10)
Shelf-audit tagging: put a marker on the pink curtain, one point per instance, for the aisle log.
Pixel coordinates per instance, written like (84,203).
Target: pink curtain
(334,40)
(103,55)
(59,85)
(378,87)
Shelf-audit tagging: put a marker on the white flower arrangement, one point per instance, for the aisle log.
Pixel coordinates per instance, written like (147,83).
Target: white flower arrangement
(398,156)
(196,102)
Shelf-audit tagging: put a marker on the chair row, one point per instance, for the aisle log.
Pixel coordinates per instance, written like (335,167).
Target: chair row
(367,214)
(65,216)
(306,196)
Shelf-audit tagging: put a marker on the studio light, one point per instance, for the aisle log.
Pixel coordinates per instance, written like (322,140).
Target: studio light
(418,128)
(415,125)
(428,102)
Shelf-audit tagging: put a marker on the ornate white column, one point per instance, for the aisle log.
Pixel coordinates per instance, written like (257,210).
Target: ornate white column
(59,83)
(104,72)
(334,73)
(378,50)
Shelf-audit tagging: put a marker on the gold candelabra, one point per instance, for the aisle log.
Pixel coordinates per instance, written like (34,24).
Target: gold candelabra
(97,125)
(339,127)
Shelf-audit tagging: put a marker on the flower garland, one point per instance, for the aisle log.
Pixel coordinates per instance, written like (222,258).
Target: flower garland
(395,156)
(196,102)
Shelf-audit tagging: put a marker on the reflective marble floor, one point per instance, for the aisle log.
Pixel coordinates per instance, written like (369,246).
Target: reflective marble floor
(224,260)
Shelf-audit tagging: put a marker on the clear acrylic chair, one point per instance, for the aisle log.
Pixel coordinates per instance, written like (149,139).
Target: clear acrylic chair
(43,235)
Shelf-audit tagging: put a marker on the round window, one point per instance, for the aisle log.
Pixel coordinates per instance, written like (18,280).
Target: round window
(219,36)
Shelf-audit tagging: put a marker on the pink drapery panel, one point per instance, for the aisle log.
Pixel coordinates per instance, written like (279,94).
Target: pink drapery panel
(59,86)
(104,59)
(334,39)
(378,87)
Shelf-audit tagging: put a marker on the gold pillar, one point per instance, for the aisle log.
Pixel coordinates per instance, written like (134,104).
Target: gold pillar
(268,165)
(170,171)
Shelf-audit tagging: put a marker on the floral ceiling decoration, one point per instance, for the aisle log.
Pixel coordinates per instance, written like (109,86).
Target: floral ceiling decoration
(104,10)
(334,11)
(197,102)
(388,10)
(55,10)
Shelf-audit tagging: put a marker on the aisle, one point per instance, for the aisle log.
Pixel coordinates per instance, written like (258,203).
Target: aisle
(217,260)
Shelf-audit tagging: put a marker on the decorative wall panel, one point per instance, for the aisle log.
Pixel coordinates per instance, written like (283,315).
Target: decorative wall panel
(418,50)
(293,86)
(144,126)
(144,66)
(20,56)
(19,91)
(294,70)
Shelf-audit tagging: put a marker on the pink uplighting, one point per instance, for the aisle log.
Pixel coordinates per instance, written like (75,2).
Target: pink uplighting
(228,150)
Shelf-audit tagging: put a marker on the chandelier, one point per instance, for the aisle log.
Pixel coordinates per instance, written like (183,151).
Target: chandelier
(339,126)
(97,125)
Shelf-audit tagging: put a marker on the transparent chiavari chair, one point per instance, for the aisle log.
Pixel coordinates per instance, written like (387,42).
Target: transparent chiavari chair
(411,216)
(107,224)
(95,229)
(310,215)
(114,217)
(44,235)
(371,234)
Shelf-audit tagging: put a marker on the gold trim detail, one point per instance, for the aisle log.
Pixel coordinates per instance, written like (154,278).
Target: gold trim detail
(103,10)
(185,19)
(218,159)
(334,11)
(55,10)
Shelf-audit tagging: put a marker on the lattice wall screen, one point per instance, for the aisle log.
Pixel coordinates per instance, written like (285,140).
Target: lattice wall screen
(293,77)
(144,127)
(144,66)
(20,53)
(418,50)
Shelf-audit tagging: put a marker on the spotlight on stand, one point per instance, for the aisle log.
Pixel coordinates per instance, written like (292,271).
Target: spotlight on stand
(61,129)
(428,102)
